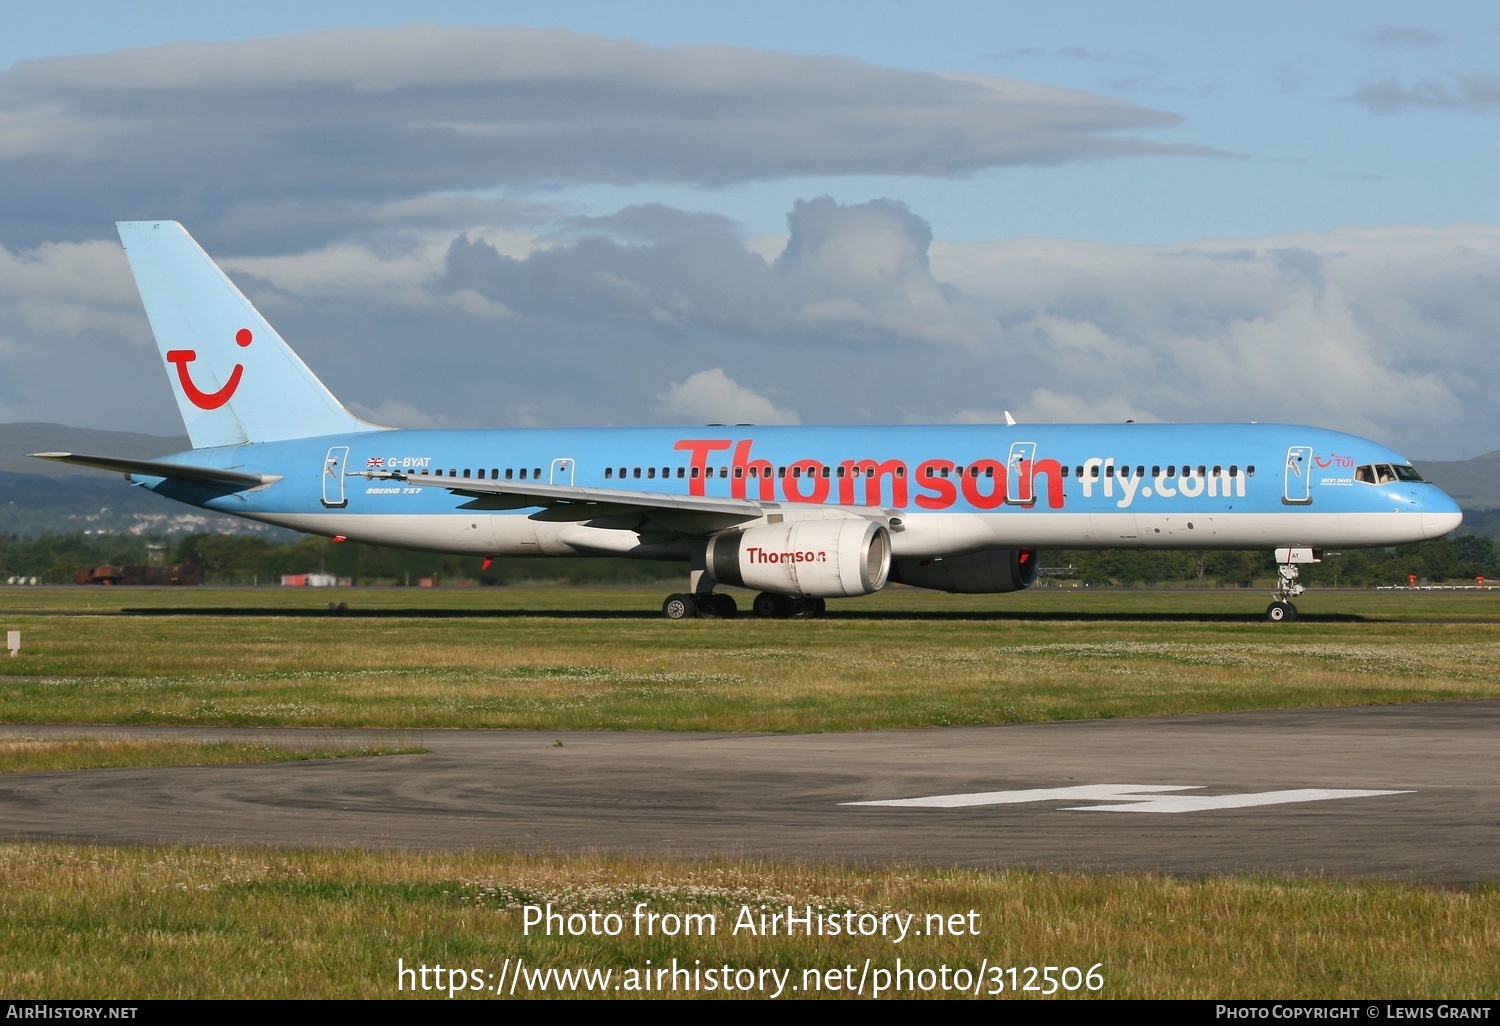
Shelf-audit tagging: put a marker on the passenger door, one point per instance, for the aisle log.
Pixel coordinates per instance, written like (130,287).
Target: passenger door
(1297,490)
(333,477)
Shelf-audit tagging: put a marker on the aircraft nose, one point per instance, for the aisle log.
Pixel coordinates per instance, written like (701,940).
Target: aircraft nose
(1440,515)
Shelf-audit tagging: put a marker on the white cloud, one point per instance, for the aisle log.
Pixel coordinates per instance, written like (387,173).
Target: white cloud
(334,124)
(713,397)
(1385,332)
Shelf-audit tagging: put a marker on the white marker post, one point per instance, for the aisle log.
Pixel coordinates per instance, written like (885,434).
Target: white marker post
(13,642)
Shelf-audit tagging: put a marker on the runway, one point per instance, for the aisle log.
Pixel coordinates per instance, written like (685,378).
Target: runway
(1286,778)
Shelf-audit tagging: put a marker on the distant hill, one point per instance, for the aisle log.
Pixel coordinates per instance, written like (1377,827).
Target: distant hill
(1474,484)
(16,440)
(41,497)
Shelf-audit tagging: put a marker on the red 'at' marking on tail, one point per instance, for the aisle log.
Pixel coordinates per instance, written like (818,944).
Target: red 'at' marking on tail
(180,358)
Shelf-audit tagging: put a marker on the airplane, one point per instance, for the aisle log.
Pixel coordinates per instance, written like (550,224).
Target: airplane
(798,514)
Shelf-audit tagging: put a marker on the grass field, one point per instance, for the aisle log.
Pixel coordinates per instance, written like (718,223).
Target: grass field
(185,922)
(51,755)
(195,923)
(568,658)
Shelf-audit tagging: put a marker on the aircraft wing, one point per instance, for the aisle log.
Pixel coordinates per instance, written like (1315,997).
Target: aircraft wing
(572,503)
(234,480)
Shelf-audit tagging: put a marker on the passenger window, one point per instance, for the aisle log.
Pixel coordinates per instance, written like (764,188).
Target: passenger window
(988,472)
(1250,470)
(466,472)
(635,473)
(1094,470)
(650,472)
(509,473)
(609,472)
(494,473)
(781,472)
(1172,471)
(739,472)
(945,471)
(1064,471)
(825,471)
(1140,471)
(1234,471)
(523,473)
(695,473)
(1109,471)
(723,471)
(536,473)
(1156,471)
(1202,471)
(1218,471)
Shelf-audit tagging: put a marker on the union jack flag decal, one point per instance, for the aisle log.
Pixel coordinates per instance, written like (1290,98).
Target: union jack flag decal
(374,463)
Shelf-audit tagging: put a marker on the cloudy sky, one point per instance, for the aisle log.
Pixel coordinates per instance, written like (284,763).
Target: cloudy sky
(601,213)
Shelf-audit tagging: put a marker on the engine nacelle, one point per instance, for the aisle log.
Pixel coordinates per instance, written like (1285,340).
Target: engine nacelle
(990,571)
(822,558)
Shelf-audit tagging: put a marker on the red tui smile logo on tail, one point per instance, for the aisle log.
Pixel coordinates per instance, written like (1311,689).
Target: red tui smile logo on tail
(180,358)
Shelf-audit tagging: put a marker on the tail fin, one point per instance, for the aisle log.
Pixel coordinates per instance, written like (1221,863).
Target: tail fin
(235,379)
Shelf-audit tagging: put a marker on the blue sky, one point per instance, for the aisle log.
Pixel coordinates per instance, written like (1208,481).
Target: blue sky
(1362,135)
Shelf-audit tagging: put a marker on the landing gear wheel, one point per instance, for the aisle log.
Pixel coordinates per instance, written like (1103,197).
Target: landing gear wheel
(724,606)
(819,606)
(679,607)
(769,606)
(1278,612)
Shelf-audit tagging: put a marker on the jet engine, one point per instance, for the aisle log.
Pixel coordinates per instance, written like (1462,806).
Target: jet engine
(989,571)
(819,558)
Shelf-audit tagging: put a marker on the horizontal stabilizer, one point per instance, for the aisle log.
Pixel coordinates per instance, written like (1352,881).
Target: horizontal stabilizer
(232,479)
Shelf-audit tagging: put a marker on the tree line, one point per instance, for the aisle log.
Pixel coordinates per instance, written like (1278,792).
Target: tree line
(246,559)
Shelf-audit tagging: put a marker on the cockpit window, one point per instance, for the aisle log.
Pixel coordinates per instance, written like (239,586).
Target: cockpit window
(1385,473)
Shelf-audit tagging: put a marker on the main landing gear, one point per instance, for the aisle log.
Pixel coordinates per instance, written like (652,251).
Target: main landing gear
(703,603)
(709,606)
(714,606)
(769,606)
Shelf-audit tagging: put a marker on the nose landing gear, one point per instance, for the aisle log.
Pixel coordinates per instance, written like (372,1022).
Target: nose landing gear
(1287,587)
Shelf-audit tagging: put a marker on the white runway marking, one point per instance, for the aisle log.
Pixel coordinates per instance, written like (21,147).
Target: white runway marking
(1130,798)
